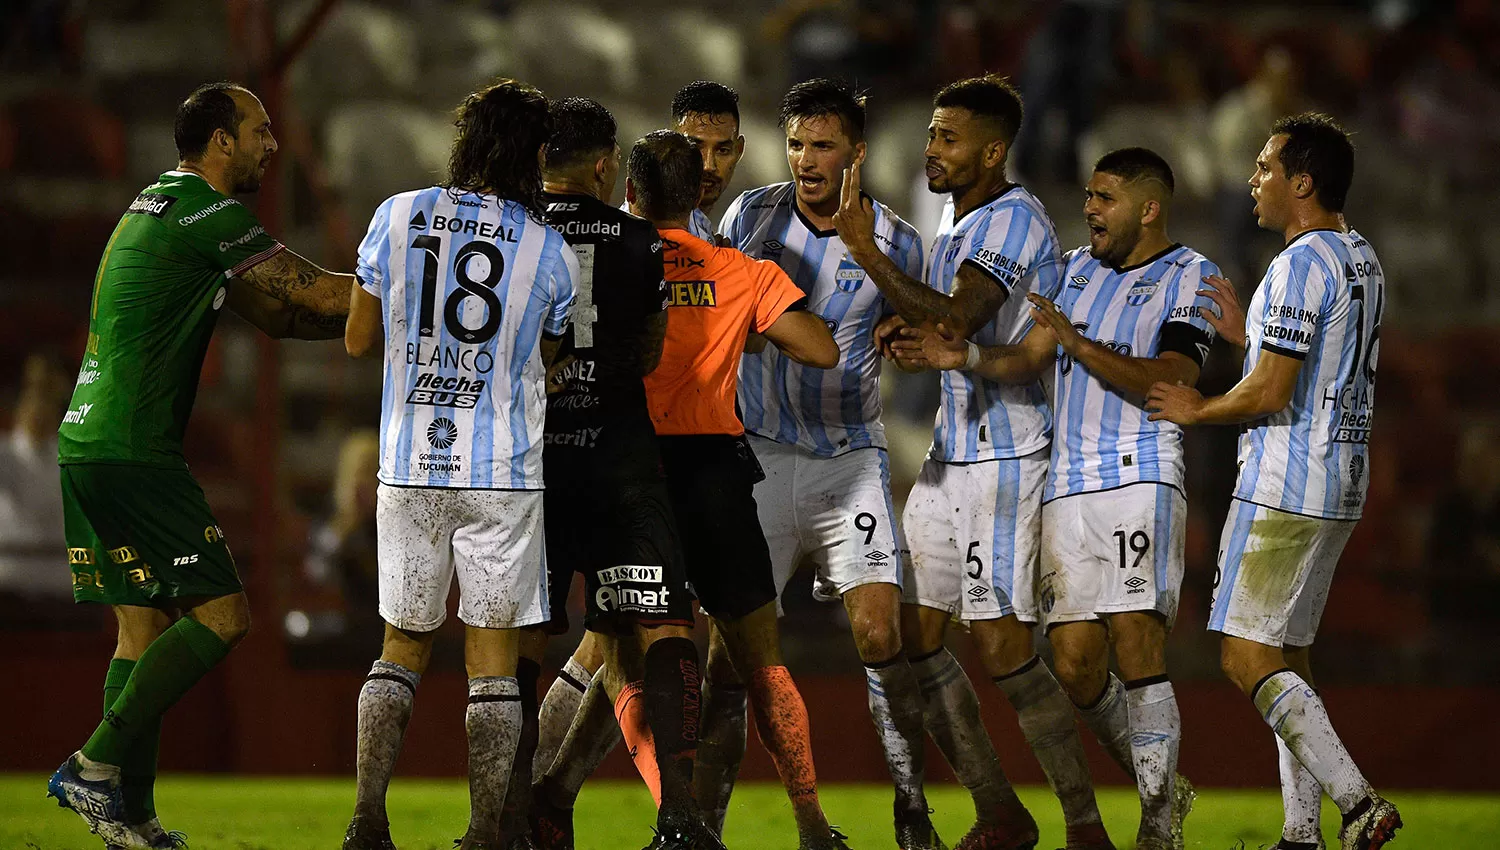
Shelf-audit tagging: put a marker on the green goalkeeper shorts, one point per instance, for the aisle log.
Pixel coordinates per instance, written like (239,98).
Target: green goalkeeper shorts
(141,535)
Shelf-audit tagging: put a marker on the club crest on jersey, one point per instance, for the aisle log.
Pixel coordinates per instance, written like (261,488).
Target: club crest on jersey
(849,277)
(1141,292)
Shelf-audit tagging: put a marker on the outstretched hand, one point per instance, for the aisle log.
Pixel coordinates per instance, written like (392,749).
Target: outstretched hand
(1048,316)
(1229,322)
(925,348)
(1174,403)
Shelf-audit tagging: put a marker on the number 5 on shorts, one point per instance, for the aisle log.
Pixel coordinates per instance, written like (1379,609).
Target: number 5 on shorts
(972,558)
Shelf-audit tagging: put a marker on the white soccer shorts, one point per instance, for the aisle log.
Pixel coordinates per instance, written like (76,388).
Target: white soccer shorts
(975,530)
(1274,572)
(1112,551)
(490,539)
(836,511)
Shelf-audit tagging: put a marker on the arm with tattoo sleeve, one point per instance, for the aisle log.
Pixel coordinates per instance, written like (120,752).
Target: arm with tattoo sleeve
(292,280)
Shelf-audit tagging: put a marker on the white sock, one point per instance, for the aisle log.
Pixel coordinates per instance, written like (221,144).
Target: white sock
(1155,734)
(1301,799)
(1294,712)
(1046,717)
(1109,718)
(493,721)
(556,716)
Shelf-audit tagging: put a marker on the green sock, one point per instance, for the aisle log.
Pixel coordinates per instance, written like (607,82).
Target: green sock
(138,773)
(169,667)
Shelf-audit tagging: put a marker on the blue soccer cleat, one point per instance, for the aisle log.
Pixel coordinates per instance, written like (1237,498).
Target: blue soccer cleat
(99,802)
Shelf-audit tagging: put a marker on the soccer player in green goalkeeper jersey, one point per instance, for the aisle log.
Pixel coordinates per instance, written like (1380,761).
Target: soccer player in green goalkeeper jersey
(140,535)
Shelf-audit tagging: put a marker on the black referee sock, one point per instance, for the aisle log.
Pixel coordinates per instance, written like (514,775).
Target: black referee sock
(518,796)
(674,705)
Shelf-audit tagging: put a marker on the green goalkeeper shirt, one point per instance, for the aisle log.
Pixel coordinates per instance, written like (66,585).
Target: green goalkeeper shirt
(158,292)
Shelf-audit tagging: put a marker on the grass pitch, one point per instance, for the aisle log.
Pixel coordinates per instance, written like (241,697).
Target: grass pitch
(234,813)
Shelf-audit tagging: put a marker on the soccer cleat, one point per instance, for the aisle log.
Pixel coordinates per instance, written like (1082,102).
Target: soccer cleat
(835,841)
(917,833)
(1013,828)
(521,842)
(1288,844)
(1372,828)
(1091,836)
(158,838)
(367,833)
(1183,795)
(682,831)
(551,825)
(98,802)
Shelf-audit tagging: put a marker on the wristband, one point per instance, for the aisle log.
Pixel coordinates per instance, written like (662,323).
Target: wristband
(974,356)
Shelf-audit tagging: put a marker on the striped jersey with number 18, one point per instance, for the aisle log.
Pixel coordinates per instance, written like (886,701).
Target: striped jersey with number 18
(468,283)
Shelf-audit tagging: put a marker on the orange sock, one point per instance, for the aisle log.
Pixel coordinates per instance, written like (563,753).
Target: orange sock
(630,711)
(781,721)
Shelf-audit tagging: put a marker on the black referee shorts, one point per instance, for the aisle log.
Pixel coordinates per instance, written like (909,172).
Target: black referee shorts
(711,480)
(621,536)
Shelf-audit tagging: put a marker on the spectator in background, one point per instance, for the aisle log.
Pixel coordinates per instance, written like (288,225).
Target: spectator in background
(1068,63)
(31,512)
(1238,125)
(342,551)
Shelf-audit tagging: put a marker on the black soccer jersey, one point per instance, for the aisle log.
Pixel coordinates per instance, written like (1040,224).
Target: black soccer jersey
(600,418)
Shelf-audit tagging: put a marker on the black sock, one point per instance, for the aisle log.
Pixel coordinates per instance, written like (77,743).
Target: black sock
(518,794)
(673,707)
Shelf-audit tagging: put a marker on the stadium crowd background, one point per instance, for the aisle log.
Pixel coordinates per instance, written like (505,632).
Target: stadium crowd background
(280,435)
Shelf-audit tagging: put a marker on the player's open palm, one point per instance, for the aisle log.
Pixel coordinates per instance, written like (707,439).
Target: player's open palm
(1229,322)
(855,219)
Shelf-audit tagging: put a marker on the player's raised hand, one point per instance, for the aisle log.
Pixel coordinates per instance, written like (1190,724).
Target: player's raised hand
(1174,403)
(885,334)
(1048,316)
(1229,322)
(855,219)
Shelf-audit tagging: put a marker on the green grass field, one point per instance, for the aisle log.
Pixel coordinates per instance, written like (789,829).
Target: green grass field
(310,814)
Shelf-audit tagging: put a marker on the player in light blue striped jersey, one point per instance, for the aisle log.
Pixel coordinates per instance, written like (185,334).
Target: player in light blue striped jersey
(973,520)
(818,436)
(465,290)
(1306,401)
(1113,515)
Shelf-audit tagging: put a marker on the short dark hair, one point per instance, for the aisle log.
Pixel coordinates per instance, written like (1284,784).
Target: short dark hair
(500,129)
(821,97)
(1319,147)
(1132,164)
(667,171)
(706,97)
(991,96)
(210,107)
(582,129)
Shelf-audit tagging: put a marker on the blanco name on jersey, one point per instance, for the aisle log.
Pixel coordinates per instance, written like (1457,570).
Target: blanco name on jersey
(468,284)
(1320,302)
(1101,437)
(825,411)
(1012,240)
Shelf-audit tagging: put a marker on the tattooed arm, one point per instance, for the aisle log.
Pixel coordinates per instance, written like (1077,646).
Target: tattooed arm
(293,280)
(280,320)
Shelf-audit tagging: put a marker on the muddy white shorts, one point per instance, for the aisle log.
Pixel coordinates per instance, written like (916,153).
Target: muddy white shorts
(974,531)
(835,511)
(1274,572)
(491,540)
(1112,551)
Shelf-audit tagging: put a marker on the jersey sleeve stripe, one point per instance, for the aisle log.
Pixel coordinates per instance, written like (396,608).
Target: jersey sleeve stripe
(253,261)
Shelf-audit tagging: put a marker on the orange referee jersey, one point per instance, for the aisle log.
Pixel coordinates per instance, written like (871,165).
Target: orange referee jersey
(716,296)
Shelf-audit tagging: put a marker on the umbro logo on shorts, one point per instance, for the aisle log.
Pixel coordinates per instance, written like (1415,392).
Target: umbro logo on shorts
(978,591)
(876,555)
(1135,583)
